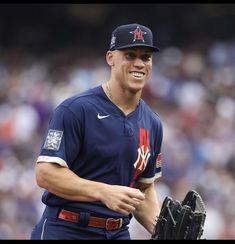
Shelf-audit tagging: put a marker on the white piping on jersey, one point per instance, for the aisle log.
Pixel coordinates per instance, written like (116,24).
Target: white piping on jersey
(150,180)
(50,159)
(43,228)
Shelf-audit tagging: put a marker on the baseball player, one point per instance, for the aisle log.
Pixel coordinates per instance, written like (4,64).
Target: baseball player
(102,151)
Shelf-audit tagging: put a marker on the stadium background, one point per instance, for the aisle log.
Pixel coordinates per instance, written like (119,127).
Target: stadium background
(51,51)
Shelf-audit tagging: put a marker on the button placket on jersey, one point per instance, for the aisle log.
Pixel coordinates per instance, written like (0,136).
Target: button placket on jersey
(128,127)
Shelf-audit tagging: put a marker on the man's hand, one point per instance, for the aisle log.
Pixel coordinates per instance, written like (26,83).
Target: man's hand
(122,199)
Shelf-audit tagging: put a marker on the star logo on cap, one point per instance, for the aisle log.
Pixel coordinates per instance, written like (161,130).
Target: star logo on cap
(138,34)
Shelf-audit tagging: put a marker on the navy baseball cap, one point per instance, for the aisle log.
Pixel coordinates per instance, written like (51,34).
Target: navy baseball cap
(132,35)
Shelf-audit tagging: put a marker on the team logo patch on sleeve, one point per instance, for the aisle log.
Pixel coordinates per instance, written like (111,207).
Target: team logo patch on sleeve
(53,140)
(159,161)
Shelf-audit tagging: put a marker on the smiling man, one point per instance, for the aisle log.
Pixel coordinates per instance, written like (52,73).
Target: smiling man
(102,151)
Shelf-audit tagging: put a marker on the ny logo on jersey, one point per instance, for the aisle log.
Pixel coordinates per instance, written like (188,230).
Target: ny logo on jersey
(143,152)
(143,156)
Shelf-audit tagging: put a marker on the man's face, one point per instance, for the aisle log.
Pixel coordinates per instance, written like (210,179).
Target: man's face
(131,66)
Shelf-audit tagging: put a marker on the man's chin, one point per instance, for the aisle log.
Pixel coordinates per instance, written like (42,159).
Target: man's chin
(136,89)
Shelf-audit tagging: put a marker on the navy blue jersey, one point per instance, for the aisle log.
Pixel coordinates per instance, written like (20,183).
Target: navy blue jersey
(92,137)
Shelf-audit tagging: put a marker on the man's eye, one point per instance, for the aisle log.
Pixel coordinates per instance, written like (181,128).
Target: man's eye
(146,58)
(130,56)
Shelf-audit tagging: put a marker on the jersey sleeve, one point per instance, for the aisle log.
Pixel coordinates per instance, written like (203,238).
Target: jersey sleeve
(62,141)
(153,169)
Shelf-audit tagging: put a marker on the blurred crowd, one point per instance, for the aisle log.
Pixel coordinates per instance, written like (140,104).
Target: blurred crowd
(193,91)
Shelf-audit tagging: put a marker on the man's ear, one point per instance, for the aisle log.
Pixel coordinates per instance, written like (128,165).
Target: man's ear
(109,58)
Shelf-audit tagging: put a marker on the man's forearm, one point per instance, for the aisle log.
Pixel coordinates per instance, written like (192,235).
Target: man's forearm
(64,183)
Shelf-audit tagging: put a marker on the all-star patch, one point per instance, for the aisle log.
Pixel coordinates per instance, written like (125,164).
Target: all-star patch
(113,40)
(53,140)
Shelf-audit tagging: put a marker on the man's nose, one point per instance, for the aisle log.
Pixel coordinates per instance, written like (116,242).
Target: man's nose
(139,63)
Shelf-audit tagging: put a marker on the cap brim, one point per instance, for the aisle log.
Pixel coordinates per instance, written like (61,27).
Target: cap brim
(155,49)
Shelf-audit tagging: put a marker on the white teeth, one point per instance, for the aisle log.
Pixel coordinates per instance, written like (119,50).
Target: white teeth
(137,74)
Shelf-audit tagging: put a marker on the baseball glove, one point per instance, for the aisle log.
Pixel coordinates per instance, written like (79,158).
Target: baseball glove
(181,220)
